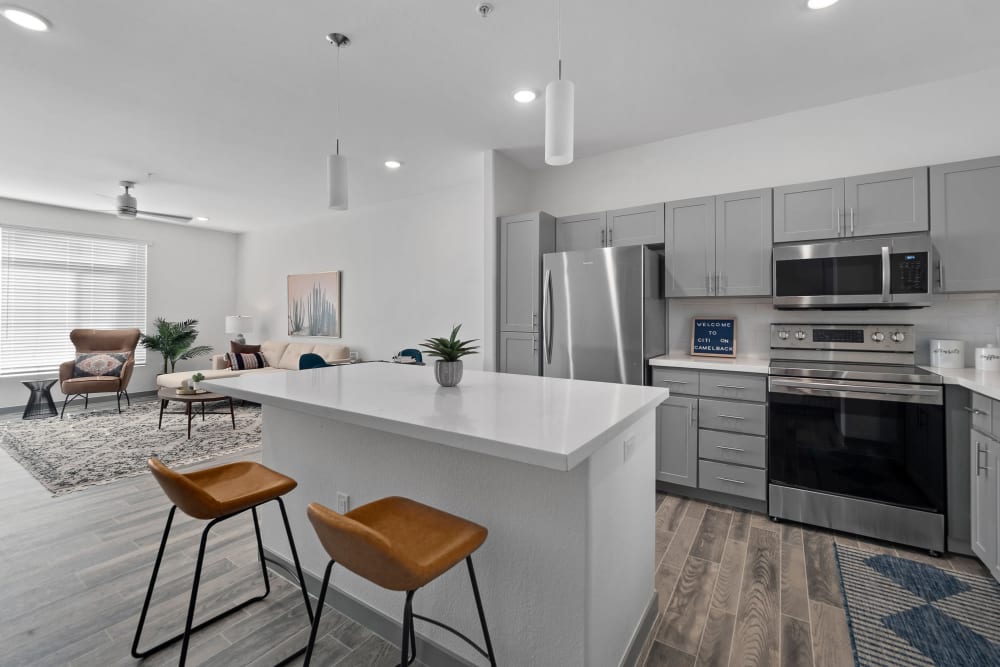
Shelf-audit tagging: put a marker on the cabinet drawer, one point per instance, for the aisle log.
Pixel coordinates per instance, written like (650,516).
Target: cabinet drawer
(677,381)
(744,450)
(982,414)
(732,479)
(733,385)
(731,416)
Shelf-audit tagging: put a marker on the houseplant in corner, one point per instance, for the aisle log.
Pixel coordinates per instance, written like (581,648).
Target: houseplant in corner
(175,341)
(448,367)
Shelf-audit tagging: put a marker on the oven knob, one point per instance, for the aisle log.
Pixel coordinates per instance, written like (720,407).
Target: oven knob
(783,335)
(878,336)
(898,337)
(800,335)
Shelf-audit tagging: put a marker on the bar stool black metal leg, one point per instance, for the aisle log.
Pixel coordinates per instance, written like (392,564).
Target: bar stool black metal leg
(482,615)
(319,613)
(260,552)
(152,583)
(408,634)
(194,592)
(295,555)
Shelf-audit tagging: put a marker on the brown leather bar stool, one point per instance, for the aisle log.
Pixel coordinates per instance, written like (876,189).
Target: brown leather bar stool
(401,545)
(216,494)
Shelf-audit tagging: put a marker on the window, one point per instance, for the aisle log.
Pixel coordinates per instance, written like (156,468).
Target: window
(52,282)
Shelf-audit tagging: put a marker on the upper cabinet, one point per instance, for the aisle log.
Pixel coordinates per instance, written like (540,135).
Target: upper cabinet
(965,212)
(642,225)
(523,241)
(581,232)
(892,202)
(719,246)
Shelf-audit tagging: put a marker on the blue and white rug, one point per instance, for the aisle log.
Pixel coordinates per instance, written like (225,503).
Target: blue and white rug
(903,612)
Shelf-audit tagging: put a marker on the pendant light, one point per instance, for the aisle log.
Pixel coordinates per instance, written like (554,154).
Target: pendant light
(336,164)
(559,112)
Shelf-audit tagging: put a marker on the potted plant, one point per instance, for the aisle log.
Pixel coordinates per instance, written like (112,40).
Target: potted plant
(175,341)
(196,380)
(448,367)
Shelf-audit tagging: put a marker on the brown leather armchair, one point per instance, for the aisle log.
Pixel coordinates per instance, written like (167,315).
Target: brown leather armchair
(99,340)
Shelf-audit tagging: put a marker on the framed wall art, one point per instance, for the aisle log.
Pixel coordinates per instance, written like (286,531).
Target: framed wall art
(314,304)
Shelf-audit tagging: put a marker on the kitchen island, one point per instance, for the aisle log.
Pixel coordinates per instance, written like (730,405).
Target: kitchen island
(561,472)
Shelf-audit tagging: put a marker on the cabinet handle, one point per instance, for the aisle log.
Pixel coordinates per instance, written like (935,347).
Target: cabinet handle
(973,411)
(839,215)
(979,466)
(730,449)
(611,234)
(673,381)
(729,386)
(718,282)
(852,221)
(732,417)
(690,414)
(708,283)
(940,280)
(731,481)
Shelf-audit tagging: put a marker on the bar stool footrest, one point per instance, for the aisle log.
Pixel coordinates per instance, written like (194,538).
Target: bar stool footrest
(455,632)
(218,617)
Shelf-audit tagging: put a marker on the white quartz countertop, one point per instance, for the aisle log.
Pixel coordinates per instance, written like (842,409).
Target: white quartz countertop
(986,383)
(549,422)
(738,364)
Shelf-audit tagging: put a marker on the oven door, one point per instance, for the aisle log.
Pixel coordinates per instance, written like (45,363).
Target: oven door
(874,441)
(835,274)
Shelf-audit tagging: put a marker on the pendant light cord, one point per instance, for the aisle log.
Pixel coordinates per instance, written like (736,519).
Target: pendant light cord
(340,94)
(559,39)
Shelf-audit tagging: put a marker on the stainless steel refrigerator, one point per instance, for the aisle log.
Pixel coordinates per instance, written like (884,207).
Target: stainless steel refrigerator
(603,313)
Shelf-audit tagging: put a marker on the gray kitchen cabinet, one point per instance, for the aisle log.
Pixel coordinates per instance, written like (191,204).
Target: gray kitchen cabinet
(965,225)
(677,441)
(985,515)
(581,232)
(809,211)
(641,225)
(743,243)
(519,353)
(523,240)
(689,247)
(891,202)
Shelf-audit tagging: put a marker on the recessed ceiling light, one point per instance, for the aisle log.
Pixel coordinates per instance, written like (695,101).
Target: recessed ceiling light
(25,19)
(524,96)
(820,4)
(201,218)
(393,164)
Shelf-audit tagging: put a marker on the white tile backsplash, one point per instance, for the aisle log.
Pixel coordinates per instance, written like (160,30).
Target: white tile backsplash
(973,318)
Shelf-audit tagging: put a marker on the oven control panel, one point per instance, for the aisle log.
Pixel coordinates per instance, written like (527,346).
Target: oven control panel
(860,337)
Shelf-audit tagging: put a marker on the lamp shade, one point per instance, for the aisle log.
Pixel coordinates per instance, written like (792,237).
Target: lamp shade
(559,122)
(336,173)
(236,324)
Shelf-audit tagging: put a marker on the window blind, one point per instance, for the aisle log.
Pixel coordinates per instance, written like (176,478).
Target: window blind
(52,282)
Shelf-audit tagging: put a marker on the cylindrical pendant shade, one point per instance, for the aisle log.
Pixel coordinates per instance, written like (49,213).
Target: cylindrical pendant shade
(559,122)
(336,173)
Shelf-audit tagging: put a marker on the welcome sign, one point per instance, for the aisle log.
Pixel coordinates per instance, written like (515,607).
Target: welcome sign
(713,336)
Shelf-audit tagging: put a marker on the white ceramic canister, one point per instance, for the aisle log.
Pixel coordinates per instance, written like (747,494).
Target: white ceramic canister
(948,353)
(988,358)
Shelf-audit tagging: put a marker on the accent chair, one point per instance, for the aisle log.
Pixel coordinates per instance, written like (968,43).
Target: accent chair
(103,365)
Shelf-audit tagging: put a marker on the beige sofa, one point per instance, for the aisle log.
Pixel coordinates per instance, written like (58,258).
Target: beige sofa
(281,356)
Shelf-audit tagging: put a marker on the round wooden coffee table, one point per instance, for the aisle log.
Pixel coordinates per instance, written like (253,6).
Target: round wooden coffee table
(166,395)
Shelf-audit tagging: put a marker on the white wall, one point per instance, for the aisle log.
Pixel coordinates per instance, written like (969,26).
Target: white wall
(944,121)
(411,268)
(190,275)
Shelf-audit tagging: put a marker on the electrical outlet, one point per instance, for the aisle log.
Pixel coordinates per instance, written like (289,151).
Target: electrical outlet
(629,447)
(343,503)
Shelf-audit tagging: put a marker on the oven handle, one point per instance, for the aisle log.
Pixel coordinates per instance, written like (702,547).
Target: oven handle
(886,275)
(895,393)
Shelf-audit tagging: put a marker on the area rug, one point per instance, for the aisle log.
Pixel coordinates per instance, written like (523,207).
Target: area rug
(101,446)
(903,612)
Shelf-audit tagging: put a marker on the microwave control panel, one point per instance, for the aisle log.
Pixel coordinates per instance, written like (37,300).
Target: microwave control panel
(909,273)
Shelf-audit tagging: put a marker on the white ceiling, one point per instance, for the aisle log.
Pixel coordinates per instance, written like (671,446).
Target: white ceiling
(230,103)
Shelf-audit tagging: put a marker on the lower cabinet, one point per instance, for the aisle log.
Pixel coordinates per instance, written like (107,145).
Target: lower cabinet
(677,441)
(519,353)
(984,458)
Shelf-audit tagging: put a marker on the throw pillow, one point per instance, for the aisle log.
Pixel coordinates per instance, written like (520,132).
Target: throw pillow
(99,364)
(242,348)
(241,362)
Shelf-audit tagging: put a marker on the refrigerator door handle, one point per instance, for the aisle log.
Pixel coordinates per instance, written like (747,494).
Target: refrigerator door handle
(547,315)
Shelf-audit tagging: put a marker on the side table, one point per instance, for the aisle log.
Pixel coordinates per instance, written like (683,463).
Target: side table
(40,405)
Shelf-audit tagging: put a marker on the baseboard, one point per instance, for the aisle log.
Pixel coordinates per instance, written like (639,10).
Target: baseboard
(429,652)
(712,497)
(642,632)
(103,398)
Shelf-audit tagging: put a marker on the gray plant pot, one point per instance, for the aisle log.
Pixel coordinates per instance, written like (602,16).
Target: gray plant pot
(448,373)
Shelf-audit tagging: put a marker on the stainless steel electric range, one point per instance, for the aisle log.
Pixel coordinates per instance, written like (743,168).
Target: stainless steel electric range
(856,435)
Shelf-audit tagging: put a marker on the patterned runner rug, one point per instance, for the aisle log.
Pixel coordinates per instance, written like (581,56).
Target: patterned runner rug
(903,612)
(101,446)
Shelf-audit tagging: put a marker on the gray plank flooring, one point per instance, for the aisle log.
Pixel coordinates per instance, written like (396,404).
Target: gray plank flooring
(737,590)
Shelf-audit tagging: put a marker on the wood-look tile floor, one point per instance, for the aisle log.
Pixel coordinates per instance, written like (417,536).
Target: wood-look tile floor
(737,589)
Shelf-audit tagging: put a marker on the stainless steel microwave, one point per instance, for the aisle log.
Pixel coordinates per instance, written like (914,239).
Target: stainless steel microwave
(889,272)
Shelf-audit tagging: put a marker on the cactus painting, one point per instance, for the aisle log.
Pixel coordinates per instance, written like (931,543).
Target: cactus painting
(314,304)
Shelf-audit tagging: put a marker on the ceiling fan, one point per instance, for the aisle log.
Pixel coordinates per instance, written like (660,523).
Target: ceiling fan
(126,206)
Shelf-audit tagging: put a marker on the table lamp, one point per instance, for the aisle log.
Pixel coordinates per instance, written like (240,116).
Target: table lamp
(239,325)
